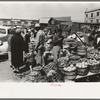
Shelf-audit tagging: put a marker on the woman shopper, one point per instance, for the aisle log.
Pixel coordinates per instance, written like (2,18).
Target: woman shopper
(11,32)
(17,48)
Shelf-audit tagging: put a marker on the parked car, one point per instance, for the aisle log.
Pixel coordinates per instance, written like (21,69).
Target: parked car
(3,40)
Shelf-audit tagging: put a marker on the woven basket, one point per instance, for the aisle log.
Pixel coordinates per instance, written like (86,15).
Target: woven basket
(82,71)
(81,51)
(94,68)
(70,75)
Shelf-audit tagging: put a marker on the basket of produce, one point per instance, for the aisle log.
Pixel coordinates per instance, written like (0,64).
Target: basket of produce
(70,72)
(94,55)
(37,69)
(82,69)
(94,66)
(93,51)
(74,57)
(82,50)
(62,62)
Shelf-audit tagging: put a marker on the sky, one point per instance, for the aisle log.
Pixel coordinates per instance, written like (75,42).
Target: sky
(36,10)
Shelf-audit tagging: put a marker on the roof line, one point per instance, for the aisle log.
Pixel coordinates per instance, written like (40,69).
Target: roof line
(92,10)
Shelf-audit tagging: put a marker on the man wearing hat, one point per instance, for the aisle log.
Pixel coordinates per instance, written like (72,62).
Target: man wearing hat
(40,39)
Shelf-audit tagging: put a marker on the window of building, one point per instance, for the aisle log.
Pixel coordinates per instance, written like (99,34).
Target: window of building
(97,13)
(91,21)
(91,14)
(97,20)
(86,15)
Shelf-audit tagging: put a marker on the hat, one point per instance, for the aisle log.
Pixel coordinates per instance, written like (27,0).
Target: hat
(37,25)
(18,31)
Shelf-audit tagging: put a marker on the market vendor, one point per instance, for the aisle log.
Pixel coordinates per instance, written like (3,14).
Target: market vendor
(92,36)
(57,44)
(97,40)
(40,39)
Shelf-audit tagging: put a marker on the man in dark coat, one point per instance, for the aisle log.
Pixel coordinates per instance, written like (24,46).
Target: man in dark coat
(17,48)
(27,40)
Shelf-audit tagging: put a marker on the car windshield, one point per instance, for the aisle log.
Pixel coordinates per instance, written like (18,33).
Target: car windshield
(2,31)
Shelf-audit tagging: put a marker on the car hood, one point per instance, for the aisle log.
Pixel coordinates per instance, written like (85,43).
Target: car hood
(2,35)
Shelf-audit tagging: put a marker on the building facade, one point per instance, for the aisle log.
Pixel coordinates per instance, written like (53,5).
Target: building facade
(92,16)
(17,22)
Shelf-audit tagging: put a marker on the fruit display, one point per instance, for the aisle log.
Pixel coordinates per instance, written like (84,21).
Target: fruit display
(94,66)
(74,57)
(93,62)
(93,51)
(93,54)
(70,68)
(82,60)
(82,68)
(62,62)
(70,72)
(73,62)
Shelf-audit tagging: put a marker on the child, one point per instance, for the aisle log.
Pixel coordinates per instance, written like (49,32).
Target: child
(31,56)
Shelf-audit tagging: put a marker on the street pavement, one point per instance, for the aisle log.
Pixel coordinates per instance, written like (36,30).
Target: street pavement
(7,74)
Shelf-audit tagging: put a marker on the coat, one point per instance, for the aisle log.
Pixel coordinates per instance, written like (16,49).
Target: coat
(17,48)
(40,39)
(27,40)
(9,42)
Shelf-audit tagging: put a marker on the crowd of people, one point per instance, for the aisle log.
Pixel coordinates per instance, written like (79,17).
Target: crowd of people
(37,47)
(40,46)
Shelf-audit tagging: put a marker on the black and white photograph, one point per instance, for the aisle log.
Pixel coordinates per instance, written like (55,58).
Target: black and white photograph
(49,42)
